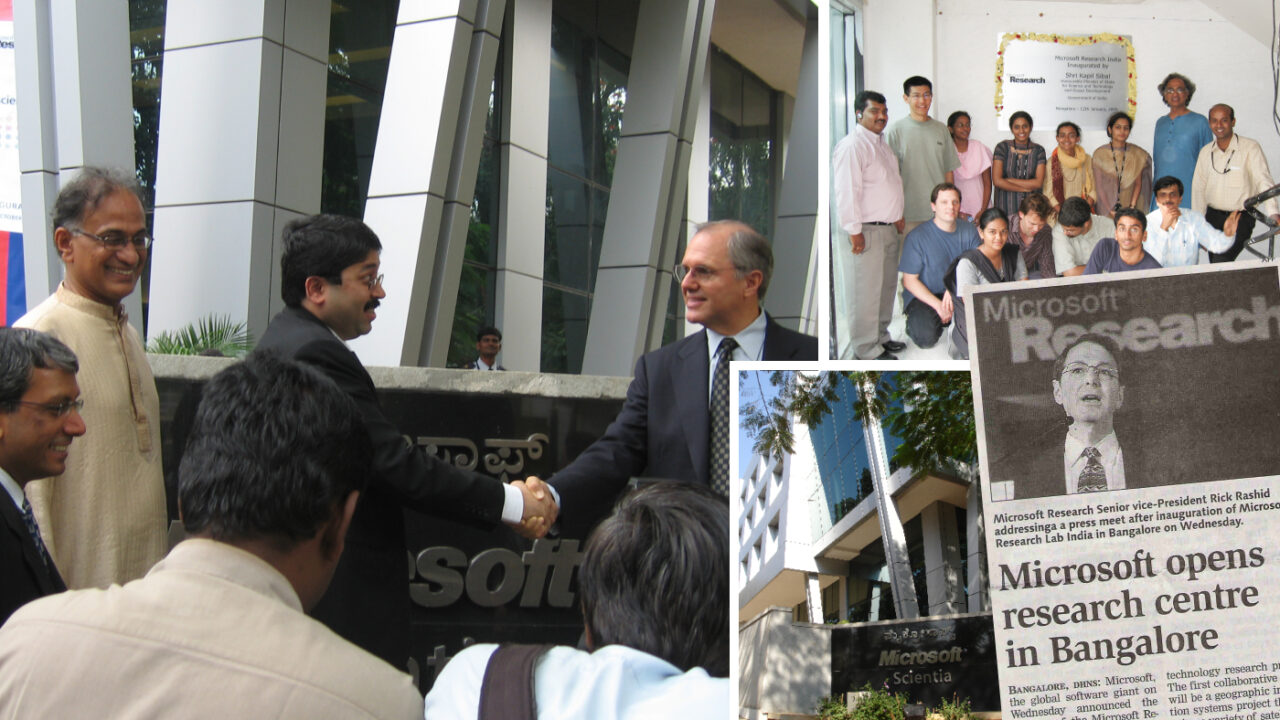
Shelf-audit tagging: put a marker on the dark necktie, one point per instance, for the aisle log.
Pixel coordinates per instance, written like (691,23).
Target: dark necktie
(1092,478)
(719,465)
(30,519)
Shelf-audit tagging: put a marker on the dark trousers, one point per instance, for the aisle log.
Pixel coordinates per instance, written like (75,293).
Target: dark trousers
(1244,231)
(924,327)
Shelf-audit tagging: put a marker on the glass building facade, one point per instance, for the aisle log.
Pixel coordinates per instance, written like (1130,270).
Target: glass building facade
(846,475)
(591,49)
(841,449)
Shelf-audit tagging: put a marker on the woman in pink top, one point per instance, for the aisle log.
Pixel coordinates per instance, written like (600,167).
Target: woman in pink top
(973,177)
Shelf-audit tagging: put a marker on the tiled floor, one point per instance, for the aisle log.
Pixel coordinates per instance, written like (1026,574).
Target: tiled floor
(898,329)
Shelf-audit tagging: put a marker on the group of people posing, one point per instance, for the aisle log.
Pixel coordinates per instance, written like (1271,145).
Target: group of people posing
(1019,212)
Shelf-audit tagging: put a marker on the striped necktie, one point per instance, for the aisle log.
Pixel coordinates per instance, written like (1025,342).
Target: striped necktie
(30,519)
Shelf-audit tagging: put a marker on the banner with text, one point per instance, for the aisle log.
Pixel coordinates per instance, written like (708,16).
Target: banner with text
(1065,77)
(1129,437)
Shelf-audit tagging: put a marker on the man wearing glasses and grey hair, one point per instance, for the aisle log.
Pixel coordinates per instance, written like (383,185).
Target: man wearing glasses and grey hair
(1086,383)
(104,518)
(39,417)
(675,422)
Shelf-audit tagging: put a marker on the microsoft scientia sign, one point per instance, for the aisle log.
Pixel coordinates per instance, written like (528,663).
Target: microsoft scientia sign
(926,660)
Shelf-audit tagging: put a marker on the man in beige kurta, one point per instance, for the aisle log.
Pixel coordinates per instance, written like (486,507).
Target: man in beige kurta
(104,519)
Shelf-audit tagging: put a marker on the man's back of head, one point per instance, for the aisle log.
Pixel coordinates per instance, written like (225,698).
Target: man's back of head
(275,452)
(654,590)
(655,577)
(1075,213)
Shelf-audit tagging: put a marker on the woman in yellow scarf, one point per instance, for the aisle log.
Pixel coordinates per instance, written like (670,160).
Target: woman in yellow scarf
(1070,170)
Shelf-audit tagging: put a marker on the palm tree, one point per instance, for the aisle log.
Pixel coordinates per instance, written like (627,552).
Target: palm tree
(210,335)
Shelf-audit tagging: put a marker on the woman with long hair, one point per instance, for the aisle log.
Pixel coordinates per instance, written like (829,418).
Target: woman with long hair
(973,177)
(995,260)
(1121,170)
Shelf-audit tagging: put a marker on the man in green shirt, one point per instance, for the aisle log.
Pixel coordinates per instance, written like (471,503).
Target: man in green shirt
(926,153)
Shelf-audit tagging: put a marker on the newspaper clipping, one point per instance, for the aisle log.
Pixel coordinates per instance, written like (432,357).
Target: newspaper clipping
(1129,434)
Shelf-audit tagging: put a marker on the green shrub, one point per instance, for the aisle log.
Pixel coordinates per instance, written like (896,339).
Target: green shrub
(955,709)
(212,332)
(832,707)
(878,705)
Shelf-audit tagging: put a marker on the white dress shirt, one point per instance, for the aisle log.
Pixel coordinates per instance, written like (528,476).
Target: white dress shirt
(1179,246)
(11,486)
(750,346)
(1111,458)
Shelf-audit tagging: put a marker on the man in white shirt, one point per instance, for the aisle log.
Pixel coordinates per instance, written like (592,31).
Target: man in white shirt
(1175,233)
(657,628)
(269,480)
(1230,170)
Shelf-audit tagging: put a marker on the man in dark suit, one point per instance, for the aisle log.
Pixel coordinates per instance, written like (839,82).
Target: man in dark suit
(665,427)
(1086,383)
(331,287)
(39,417)
(488,345)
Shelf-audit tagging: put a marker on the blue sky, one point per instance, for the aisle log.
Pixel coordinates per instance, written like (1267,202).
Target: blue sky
(753,389)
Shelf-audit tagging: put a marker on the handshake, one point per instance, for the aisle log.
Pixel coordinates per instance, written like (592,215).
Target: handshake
(540,508)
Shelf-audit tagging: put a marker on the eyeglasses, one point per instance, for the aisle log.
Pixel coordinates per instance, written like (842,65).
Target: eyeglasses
(920,96)
(57,410)
(116,240)
(1179,90)
(374,282)
(700,273)
(1080,371)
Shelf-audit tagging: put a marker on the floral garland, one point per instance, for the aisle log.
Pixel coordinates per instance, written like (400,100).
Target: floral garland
(1067,40)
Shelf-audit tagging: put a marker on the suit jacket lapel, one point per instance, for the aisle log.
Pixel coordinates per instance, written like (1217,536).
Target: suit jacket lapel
(50,581)
(689,375)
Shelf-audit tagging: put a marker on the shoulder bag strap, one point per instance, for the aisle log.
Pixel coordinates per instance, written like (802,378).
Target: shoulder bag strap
(507,691)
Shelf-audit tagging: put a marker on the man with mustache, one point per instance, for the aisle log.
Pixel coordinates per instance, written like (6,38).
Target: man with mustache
(39,417)
(104,519)
(331,286)
(864,257)
(1175,234)
(1230,170)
